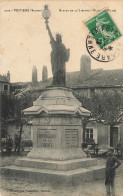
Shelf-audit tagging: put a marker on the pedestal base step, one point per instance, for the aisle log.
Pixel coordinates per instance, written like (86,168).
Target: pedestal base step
(56,165)
(71,177)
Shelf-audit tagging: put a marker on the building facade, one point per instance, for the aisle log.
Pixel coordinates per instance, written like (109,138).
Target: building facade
(103,135)
(5,83)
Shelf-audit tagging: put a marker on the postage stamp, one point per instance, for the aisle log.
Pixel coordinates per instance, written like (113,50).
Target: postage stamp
(103,29)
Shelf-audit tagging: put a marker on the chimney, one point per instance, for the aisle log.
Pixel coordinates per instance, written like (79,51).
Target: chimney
(44,73)
(34,74)
(85,67)
(8,76)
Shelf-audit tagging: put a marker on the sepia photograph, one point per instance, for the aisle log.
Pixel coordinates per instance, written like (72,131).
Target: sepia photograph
(61,98)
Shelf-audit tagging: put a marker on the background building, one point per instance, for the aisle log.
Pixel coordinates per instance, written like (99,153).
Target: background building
(34,74)
(44,73)
(5,82)
(85,67)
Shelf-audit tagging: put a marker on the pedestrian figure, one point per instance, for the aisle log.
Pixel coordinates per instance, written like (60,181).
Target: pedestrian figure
(17,143)
(96,149)
(87,151)
(111,164)
(3,144)
(84,145)
(118,148)
(9,145)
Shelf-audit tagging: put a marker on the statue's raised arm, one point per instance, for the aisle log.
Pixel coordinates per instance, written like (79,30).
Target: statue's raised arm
(49,32)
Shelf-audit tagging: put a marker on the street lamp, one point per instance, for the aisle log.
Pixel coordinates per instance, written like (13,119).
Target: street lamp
(46,13)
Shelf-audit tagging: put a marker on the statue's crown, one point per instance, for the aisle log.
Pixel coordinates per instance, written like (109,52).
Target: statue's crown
(58,36)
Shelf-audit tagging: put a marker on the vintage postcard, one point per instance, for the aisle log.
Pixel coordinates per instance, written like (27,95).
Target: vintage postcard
(61,98)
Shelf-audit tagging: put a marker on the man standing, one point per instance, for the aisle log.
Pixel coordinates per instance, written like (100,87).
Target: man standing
(111,164)
(16,143)
(9,145)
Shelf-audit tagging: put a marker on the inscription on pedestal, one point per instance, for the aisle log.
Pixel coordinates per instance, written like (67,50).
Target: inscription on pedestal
(46,138)
(71,138)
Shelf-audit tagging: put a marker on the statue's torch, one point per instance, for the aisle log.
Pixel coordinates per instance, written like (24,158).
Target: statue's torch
(46,14)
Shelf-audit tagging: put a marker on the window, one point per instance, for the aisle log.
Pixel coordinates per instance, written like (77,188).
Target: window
(89,134)
(5,87)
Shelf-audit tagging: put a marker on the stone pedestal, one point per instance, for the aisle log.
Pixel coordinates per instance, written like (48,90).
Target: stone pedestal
(68,172)
(57,156)
(57,126)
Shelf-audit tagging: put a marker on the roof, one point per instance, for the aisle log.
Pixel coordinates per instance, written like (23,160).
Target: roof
(3,79)
(98,78)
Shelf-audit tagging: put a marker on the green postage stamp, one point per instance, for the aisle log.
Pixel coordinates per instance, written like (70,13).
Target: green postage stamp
(103,29)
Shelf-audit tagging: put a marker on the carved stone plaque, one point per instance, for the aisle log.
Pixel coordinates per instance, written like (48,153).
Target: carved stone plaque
(46,138)
(71,138)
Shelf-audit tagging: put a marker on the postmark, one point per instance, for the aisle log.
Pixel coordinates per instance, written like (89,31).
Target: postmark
(105,54)
(101,42)
(103,29)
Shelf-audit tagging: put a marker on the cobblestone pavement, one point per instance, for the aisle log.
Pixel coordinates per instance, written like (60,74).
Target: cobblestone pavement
(18,187)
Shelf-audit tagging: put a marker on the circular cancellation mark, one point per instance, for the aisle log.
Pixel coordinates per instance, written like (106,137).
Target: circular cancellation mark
(97,48)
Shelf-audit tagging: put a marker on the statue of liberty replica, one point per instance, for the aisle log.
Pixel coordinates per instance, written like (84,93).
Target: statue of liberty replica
(59,54)
(57,157)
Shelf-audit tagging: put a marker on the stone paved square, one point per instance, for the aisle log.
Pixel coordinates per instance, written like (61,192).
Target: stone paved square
(18,187)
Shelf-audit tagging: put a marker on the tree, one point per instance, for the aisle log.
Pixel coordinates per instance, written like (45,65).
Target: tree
(22,103)
(12,109)
(7,110)
(105,107)
(113,108)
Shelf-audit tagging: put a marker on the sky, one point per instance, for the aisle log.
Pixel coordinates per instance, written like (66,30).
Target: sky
(24,40)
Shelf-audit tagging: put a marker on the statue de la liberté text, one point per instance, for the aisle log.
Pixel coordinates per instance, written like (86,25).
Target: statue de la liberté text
(59,56)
